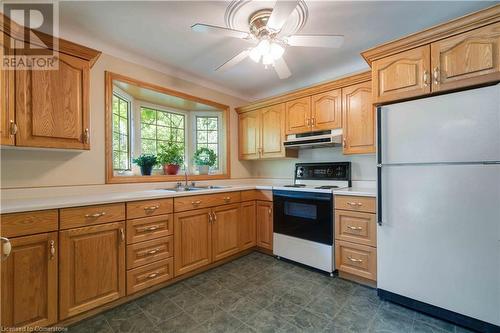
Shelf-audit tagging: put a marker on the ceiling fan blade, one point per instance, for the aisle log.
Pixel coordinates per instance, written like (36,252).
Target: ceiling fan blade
(233,61)
(221,31)
(281,11)
(282,69)
(332,41)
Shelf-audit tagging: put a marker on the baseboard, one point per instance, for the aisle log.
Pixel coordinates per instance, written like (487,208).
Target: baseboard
(435,311)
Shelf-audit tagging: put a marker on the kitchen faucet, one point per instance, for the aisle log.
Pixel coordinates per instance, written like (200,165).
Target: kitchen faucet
(185,176)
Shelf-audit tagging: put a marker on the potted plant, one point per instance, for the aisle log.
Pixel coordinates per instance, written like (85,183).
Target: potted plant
(146,163)
(171,156)
(204,158)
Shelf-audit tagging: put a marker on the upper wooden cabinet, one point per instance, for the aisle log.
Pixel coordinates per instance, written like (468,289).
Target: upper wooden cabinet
(467,59)
(403,75)
(298,115)
(326,110)
(249,135)
(7,127)
(359,119)
(29,282)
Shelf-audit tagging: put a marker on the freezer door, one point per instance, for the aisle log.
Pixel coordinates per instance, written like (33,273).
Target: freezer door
(440,238)
(459,127)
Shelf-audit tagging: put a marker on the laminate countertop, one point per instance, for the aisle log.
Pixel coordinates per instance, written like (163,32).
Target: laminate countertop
(357,191)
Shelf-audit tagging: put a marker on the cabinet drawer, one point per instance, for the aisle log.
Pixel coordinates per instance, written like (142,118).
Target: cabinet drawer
(149,275)
(144,208)
(351,202)
(356,227)
(148,228)
(360,260)
(29,223)
(202,201)
(150,251)
(89,215)
(264,195)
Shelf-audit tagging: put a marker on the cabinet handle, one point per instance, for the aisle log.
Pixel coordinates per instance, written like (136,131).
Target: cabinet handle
(209,217)
(215,217)
(6,247)
(52,249)
(344,144)
(354,228)
(196,203)
(151,228)
(153,251)
(269,211)
(354,259)
(95,215)
(426,78)
(313,121)
(153,275)
(354,204)
(308,122)
(122,234)
(86,136)
(227,199)
(151,208)
(436,74)
(13,128)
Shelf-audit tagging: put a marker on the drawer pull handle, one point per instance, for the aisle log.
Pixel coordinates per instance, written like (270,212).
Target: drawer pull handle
(151,208)
(196,203)
(95,215)
(152,228)
(354,259)
(152,275)
(354,203)
(52,249)
(354,228)
(215,217)
(154,251)
(122,234)
(6,247)
(227,199)
(436,74)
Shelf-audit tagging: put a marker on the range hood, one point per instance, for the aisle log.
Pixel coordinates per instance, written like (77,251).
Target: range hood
(328,138)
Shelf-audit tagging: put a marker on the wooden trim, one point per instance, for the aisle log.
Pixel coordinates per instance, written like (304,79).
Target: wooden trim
(111,178)
(17,31)
(304,92)
(457,26)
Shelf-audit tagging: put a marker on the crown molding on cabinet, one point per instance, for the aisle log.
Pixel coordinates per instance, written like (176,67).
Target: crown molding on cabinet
(304,92)
(456,26)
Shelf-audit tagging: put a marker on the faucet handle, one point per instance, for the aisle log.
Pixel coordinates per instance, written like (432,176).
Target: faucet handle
(193,184)
(179,184)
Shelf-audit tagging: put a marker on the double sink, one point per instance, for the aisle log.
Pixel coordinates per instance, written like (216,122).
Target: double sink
(194,188)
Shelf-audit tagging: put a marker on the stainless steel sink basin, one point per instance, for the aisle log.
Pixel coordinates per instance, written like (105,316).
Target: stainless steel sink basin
(211,187)
(194,188)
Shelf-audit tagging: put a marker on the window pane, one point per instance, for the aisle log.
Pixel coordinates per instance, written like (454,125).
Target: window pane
(123,125)
(116,109)
(180,135)
(121,150)
(163,133)
(213,147)
(148,146)
(213,137)
(202,137)
(148,115)
(163,119)
(123,108)
(124,143)
(148,131)
(212,123)
(177,120)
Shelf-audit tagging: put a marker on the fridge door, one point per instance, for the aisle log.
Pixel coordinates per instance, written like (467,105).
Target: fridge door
(440,238)
(458,127)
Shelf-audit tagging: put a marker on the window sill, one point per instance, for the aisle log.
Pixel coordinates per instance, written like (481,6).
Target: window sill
(162,178)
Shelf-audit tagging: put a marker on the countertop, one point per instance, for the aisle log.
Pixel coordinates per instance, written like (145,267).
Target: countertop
(358,191)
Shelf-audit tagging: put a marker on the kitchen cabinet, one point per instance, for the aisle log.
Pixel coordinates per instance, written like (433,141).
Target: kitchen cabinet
(247,233)
(264,220)
(358,119)
(225,230)
(249,135)
(326,110)
(467,59)
(29,282)
(7,107)
(298,116)
(91,267)
(403,75)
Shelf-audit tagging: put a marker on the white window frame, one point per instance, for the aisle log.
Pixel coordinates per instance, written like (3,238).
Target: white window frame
(130,100)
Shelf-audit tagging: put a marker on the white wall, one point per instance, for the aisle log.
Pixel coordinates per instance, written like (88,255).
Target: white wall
(35,168)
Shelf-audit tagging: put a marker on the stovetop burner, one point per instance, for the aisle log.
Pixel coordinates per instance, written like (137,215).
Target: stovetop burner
(295,185)
(326,187)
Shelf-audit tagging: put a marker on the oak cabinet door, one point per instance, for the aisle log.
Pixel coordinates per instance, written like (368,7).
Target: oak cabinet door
(264,220)
(273,131)
(29,282)
(249,135)
(467,59)
(298,115)
(92,267)
(403,75)
(7,133)
(52,108)
(327,110)
(192,240)
(225,231)
(359,119)
(247,233)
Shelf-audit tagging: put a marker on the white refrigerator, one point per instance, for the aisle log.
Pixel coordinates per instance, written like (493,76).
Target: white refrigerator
(439,206)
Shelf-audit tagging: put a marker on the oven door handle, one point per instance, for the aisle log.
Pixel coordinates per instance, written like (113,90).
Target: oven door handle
(280,195)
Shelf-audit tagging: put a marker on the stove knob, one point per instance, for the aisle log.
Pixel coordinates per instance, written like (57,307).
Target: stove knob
(300,172)
(329,172)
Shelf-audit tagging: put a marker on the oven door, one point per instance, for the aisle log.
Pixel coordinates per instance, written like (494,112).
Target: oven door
(305,215)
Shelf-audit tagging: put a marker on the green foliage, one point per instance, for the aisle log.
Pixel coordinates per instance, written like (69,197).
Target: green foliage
(205,156)
(171,153)
(145,160)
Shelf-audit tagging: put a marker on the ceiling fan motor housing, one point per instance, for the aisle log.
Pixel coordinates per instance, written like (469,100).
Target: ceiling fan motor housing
(258,23)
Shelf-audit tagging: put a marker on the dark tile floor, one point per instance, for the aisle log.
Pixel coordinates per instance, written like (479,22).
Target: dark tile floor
(258,293)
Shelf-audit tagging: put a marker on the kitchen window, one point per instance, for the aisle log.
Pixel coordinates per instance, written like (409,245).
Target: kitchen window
(121,133)
(157,126)
(207,134)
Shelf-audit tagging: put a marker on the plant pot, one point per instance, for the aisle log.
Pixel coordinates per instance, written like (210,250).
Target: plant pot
(146,170)
(203,169)
(170,169)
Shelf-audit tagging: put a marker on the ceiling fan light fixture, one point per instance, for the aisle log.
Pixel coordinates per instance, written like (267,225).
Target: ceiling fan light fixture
(255,54)
(276,51)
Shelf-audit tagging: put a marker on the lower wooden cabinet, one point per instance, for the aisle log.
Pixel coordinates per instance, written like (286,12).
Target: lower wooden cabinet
(91,267)
(264,220)
(356,259)
(247,233)
(225,221)
(29,282)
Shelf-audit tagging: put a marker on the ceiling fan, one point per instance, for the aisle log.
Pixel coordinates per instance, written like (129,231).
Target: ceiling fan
(269,43)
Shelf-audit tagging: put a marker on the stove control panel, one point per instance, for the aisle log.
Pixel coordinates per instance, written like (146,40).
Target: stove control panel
(323,171)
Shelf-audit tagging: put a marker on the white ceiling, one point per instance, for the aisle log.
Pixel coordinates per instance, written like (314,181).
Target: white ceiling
(158,34)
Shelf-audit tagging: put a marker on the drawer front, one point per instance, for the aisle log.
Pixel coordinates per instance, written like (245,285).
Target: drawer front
(356,227)
(90,215)
(150,251)
(263,195)
(144,208)
(355,203)
(149,275)
(360,260)
(29,223)
(148,228)
(203,201)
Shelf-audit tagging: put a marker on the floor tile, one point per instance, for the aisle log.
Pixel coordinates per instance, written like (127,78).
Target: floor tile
(182,323)
(187,298)
(398,309)
(203,311)
(309,321)
(421,327)
(267,322)
(97,324)
(158,307)
(134,324)
(327,306)
(264,297)
(348,321)
(284,308)
(244,308)
(222,322)
(390,322)
(443,325)
(174,289)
